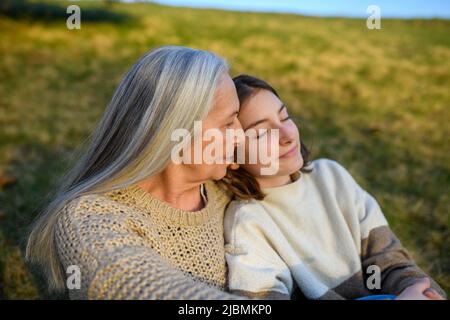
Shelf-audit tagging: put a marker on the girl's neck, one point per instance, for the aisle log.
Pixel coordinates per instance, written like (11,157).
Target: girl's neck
(271,181)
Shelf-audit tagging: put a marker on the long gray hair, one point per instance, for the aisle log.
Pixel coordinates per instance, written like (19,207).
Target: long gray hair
(168,88)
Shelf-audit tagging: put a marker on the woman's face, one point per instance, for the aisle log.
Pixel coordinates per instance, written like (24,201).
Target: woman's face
(223,116)
(264,110)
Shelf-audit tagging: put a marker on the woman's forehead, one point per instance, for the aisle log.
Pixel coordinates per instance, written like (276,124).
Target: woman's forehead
(226,96)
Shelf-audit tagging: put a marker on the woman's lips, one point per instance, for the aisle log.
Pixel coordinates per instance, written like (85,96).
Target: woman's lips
(290,152)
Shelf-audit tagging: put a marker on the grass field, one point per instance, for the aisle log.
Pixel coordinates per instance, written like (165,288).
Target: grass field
(377,101)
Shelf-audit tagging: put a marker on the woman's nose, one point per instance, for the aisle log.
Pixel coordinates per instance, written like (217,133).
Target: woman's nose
(239,138)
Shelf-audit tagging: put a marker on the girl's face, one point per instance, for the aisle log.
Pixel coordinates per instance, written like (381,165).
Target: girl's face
(264,110)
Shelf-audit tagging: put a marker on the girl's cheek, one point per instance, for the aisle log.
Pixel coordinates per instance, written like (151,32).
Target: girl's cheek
(262,149)
(269,146)
(272,146)
(291,130)
(295,129)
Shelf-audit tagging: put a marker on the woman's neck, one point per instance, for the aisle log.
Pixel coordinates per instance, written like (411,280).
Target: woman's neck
(271,181)
(171,186)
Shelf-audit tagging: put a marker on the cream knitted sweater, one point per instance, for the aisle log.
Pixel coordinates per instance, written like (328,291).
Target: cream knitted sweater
(317,237)
(131,245)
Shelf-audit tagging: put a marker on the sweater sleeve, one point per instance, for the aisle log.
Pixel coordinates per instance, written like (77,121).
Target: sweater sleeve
(254,268)
(398,270)
(116,263)
(380,247)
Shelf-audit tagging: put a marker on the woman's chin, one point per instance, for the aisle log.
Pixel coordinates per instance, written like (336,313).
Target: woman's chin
(219,172)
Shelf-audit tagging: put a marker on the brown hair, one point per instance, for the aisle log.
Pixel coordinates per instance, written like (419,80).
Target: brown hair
(240,182)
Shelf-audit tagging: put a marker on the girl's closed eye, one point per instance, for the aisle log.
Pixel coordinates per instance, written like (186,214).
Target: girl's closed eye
(261,133)
(284,115)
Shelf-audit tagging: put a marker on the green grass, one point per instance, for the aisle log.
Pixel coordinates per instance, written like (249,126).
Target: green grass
(377,101)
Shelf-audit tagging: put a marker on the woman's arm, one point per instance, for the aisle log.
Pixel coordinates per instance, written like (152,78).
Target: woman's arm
(116,263)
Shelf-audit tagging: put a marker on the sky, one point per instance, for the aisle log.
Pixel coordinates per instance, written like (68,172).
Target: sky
(342,8)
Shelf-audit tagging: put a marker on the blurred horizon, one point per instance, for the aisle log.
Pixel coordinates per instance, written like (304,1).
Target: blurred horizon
(330,8)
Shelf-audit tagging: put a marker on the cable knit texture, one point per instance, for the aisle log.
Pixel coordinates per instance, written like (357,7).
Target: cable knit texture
(131,245)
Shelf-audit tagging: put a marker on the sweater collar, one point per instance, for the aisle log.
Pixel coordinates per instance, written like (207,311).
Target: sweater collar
(281,192)
(162,210)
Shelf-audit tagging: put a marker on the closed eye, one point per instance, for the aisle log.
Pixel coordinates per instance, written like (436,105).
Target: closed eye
(262,134)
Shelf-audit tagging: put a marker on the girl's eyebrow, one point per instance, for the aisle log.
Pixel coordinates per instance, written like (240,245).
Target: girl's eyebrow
(264,120)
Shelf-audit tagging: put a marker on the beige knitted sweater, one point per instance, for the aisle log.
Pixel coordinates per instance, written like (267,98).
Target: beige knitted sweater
(131,245)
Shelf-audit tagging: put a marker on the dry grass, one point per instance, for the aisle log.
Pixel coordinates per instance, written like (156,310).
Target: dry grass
(376,101)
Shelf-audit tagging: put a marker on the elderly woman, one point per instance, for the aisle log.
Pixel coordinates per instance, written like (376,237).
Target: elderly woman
(136,224)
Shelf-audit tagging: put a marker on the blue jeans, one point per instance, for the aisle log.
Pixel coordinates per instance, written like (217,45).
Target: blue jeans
(379,297)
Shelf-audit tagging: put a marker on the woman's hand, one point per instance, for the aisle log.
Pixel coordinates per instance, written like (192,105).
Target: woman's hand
(420,291)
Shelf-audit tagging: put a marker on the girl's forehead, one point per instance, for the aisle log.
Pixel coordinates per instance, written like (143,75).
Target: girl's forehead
(261,103)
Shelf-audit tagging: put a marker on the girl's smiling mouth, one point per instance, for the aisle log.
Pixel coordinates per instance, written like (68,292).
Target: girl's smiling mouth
(289,153)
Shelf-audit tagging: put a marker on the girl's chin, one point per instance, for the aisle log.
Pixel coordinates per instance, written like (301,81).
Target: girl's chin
(292,164)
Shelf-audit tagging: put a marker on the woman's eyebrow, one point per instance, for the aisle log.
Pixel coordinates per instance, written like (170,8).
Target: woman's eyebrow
(233,114)
(281,107)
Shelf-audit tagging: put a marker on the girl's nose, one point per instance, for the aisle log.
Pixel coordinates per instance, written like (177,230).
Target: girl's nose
(287,134)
